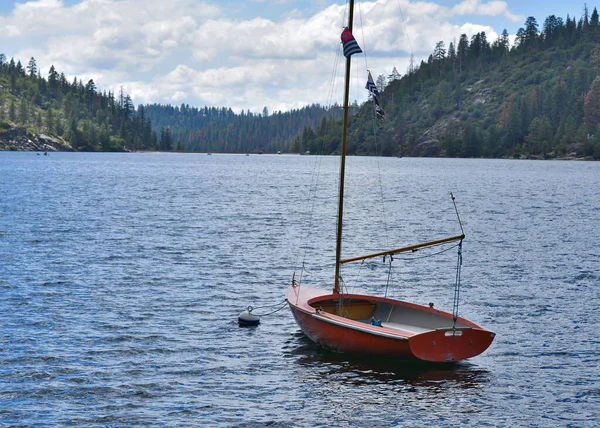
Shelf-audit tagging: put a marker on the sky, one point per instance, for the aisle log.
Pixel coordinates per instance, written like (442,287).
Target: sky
(245,54)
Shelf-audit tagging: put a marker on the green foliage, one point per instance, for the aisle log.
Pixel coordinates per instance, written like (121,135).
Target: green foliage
(478,98)
(212,129)
(81,115)
(538,98)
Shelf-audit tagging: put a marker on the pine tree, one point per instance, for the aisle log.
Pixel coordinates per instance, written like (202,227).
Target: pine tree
(32,67)
(531,32)
(591,107)
(394,75)
(381,82)
(53,81)
(12,111)
(50,121)
(23,112)
(462,52)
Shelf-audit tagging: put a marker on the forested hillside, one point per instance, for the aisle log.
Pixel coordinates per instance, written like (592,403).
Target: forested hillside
(211,129)
(78,114)
(82,118)
(537,97)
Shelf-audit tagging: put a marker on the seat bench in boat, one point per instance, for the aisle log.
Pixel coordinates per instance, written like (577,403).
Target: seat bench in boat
(354,310)
(405,327)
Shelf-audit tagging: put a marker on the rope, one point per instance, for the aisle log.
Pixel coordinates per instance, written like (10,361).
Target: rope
(281,306)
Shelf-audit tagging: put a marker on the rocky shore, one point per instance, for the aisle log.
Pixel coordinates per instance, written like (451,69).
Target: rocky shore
(20,139)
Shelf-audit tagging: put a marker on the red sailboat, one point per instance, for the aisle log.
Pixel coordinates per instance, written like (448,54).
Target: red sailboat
(380,326)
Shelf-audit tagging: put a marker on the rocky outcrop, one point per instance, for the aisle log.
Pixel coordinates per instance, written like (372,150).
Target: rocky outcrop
(429,148)
(20,139)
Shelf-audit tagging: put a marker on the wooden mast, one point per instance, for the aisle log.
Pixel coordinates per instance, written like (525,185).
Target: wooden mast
(338,246)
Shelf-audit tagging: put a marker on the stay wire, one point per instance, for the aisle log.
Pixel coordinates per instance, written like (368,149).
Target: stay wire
(305,234)
(315,175)
(375,135)
(389,278)
(457,285)
(457,215)
(405,29)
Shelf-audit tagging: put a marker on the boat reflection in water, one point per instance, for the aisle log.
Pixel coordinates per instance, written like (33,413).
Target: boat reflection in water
(360,370)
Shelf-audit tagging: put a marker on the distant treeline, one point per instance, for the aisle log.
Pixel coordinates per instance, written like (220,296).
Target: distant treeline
(211,129)
(91,120)
(539,97)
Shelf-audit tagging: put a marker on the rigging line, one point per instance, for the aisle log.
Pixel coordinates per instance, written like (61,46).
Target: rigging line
(405,29)
(308,216)
(362,32)
(380,181)
(334,75)
(451,184)
(457,215)
(387,285)
(375,134)
(316,173)
(358,274)
(334,71)
(457,285)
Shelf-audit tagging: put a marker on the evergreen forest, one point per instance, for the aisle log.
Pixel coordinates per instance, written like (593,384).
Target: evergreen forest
(538,97)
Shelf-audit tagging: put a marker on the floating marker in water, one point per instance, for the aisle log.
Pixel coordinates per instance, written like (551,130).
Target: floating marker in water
(246,318)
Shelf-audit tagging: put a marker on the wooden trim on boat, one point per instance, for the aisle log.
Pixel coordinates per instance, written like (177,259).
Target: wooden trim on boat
(404,249)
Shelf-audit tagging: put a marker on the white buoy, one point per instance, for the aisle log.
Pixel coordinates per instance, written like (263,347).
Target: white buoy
(246,318)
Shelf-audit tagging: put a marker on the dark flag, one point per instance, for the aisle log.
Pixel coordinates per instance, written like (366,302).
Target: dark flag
(372,88)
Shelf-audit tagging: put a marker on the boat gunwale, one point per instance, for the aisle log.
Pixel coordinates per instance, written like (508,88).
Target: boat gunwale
(306,306)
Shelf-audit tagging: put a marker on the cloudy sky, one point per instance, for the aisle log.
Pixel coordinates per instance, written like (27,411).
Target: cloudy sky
(244,54)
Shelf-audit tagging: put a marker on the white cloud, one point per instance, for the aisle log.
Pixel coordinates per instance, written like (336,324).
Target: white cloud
(193,52)
(491,8)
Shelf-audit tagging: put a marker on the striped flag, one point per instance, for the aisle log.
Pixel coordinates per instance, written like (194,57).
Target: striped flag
(370,86)
(350,45)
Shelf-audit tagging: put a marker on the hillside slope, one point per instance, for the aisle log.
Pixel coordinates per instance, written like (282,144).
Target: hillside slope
(540,98)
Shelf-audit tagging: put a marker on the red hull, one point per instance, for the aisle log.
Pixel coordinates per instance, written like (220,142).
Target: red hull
(357,337)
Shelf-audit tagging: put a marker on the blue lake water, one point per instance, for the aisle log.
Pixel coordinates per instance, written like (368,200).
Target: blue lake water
(122,275)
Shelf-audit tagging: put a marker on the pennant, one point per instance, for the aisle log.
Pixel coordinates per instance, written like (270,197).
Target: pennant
(371,87)
(350,45)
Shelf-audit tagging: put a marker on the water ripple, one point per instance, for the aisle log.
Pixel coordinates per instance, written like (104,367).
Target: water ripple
(120,292)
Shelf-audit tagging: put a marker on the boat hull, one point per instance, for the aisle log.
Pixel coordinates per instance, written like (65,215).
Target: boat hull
(342,334)
(343,339)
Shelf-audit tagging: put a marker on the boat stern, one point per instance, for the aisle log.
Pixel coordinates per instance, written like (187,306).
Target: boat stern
(448,345)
